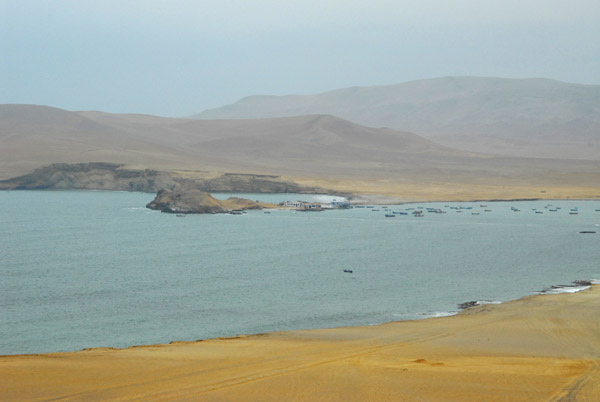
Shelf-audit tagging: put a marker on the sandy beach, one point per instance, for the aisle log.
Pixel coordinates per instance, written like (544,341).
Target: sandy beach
(538,348)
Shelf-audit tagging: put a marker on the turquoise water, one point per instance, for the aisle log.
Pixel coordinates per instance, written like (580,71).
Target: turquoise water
(90,269)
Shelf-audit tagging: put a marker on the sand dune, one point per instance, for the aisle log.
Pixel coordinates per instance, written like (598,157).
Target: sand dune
(540,348)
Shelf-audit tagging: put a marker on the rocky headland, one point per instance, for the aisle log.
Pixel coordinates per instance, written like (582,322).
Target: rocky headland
(90,176)
(200,202)
(110,176)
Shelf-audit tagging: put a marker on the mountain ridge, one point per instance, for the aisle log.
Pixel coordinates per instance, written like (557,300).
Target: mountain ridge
(534,117)
(314,151)
(35,136)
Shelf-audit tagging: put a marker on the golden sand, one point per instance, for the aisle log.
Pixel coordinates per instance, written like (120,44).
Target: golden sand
(539,348)
(393,190)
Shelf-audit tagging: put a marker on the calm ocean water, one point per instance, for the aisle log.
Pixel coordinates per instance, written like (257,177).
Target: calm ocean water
(89,269)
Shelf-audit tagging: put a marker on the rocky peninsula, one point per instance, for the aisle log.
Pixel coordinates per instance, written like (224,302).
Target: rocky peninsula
(200,202)
(119,177)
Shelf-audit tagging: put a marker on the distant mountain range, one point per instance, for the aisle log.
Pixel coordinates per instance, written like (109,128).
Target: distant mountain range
(309,150)
(33,136)
(518,117)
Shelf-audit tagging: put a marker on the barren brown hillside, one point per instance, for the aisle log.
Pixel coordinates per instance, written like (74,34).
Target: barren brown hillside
(316,150)
(513,117)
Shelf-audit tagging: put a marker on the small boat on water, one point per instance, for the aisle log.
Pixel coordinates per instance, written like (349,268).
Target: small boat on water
(236,212)
(348,271)
(181,215)
(390,215)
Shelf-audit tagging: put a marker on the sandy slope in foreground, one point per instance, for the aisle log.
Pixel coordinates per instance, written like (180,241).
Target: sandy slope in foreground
(539,348)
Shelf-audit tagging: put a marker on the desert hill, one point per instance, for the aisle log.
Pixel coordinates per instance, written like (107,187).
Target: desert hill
(312,151)
(518,117)
(34,136)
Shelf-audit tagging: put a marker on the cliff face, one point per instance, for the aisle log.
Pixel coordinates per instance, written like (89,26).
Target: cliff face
(199,202)
(109,176)
(91,176)
(248,183)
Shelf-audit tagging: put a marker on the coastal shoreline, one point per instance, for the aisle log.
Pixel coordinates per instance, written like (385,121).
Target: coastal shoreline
(360,190)
(538,347)
(574,287)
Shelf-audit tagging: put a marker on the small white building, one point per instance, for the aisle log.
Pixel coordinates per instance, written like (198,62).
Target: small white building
(304,206)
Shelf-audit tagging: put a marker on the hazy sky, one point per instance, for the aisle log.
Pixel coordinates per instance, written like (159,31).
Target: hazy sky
(179,57)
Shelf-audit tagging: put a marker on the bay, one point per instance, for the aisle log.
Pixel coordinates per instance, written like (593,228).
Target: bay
(97,269)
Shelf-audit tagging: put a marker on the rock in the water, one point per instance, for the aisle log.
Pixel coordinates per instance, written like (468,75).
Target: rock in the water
(199,202)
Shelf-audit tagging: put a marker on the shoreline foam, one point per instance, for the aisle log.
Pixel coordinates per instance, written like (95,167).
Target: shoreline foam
(574,287)
(531,349)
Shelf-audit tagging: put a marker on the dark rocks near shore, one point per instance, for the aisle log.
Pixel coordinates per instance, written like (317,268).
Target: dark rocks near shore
(199,202)
(185,202)
(468,304)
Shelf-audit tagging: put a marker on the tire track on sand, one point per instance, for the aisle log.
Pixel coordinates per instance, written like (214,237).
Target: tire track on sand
(272,373)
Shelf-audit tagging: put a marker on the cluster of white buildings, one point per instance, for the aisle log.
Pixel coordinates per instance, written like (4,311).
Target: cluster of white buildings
(313,206)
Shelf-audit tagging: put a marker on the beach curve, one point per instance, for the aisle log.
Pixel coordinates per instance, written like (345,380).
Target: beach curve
(537,348)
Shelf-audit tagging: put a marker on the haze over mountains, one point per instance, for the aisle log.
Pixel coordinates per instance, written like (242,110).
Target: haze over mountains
(33,136)
(545,134)
(517,117)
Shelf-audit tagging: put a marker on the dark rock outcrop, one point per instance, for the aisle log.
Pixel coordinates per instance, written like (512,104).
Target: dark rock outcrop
(110,176)
(199,202)
(249,183)
(91,176)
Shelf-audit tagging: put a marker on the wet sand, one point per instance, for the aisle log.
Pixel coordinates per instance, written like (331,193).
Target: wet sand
(538,348)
